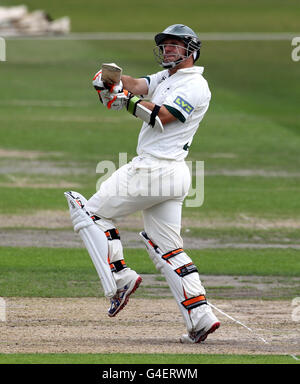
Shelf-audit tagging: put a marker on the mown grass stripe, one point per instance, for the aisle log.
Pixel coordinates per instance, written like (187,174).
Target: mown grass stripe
(119,358)
(67,272)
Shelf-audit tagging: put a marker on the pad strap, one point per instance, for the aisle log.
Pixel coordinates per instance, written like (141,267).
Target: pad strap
(173,253)
(194,302)
(112,234)
(186,269)
(117,266)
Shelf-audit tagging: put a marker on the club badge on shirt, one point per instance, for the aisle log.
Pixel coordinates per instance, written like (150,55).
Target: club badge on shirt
(183,104)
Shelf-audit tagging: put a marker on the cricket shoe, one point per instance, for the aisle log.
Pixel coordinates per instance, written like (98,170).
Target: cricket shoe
(208,324)
(118,302)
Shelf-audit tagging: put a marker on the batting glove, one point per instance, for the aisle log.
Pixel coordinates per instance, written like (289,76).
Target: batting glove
(99,85)
(118,101)
(124,99)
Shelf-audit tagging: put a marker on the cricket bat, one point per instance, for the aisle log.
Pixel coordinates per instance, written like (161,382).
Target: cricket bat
(111,73)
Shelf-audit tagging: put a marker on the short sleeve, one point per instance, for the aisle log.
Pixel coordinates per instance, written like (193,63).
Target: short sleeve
(154,80)
(180,103)
(185,98)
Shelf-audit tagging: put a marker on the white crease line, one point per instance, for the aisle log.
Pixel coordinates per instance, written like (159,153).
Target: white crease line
(246,327)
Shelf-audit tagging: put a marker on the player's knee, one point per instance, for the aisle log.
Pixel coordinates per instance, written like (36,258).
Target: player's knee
(165,242)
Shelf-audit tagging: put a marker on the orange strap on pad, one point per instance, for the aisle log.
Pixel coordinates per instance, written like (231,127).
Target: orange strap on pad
(173,253)
(112,234)
(117,266)
(194,302)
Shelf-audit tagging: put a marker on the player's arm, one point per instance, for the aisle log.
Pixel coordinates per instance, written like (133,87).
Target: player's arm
(164,115)
(140,87)
(135,86)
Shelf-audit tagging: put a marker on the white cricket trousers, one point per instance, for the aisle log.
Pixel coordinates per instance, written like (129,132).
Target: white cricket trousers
(154,186)
(157,188)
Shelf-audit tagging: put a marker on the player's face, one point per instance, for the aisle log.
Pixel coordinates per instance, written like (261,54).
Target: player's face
(173,50)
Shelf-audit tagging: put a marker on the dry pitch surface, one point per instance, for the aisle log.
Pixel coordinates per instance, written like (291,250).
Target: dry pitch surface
(73,325)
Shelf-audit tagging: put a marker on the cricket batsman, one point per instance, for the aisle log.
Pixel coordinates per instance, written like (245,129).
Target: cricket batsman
(171,103)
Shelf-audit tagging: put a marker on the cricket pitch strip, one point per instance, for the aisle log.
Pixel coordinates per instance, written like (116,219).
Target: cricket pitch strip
(81,325)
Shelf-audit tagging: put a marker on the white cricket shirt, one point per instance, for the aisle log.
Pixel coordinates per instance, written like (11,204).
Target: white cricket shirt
(186,94)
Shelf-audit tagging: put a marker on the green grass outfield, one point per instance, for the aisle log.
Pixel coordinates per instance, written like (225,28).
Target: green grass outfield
(202,15)
(57,272)
(119,358)
(53,272)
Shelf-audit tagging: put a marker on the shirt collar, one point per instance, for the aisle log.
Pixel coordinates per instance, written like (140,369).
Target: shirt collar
(194,69)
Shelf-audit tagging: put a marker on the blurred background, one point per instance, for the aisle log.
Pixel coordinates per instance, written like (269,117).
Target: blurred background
(53,130)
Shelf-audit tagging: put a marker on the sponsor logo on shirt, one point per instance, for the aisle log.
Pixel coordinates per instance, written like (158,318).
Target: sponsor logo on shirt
(183,104)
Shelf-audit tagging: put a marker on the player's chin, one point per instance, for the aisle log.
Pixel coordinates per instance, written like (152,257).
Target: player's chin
(170,58)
